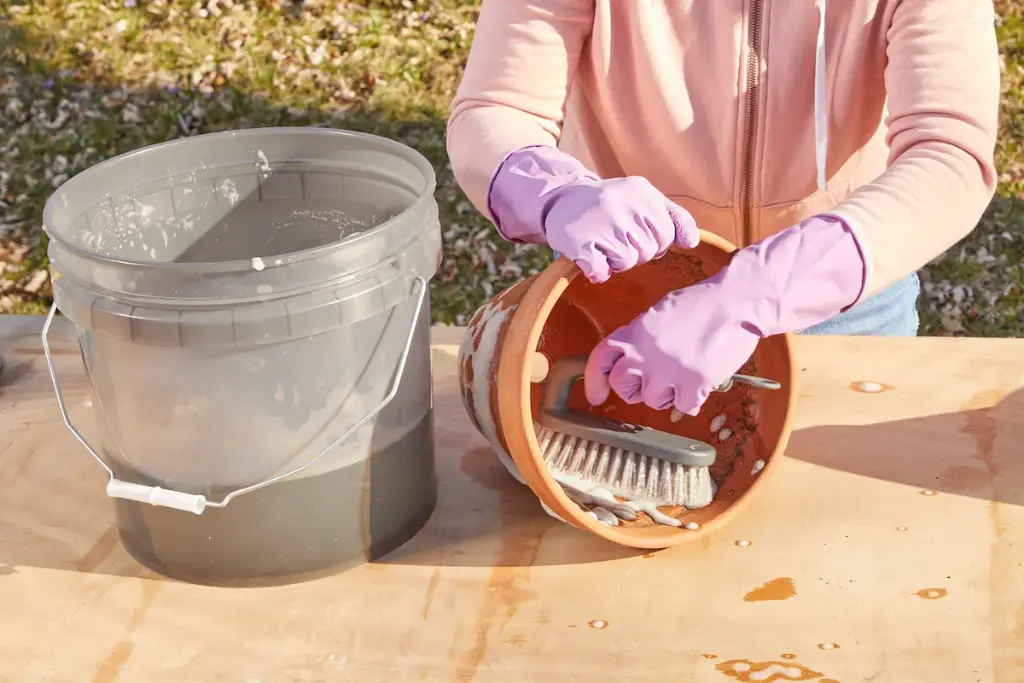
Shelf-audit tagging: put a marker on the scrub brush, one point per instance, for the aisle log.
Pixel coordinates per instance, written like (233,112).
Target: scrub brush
(621,467)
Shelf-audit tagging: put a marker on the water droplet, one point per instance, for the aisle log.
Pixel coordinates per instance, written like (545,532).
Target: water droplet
(928,492)
(901,528)
(743,544)
(828,646)
(598,624)
(869,387)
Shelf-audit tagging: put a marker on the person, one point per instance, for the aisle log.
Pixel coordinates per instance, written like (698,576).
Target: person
(841,148)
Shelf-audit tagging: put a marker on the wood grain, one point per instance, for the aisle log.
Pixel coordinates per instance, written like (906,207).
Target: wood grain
(895,525)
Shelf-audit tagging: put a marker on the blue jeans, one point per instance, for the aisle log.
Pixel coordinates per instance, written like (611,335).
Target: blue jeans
(890,313)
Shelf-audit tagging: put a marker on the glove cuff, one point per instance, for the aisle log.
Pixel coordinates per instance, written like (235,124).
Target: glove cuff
(797,278)
(524,186)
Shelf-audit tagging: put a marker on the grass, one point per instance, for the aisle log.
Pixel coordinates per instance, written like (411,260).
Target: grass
(82,81)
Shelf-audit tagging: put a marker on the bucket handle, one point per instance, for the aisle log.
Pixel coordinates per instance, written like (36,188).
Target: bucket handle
(196,503)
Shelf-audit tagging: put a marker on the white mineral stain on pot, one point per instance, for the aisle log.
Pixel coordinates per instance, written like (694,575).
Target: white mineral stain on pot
(480,359)
(758,466)
(718,422)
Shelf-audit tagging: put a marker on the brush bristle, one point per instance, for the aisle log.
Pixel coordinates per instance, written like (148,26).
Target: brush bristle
(626,474)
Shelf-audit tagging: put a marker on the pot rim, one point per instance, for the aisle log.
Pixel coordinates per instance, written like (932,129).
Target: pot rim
(514,370)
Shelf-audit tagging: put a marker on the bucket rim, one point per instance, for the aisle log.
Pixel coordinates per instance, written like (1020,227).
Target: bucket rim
(400,149)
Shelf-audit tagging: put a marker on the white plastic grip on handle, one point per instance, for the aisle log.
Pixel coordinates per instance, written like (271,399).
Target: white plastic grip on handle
(154,495)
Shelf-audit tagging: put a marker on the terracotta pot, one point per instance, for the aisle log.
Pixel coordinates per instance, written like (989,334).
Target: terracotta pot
(559,313)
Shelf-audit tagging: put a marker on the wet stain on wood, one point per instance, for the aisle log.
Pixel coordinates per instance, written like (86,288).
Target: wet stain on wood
(428,595)
(109,668)
(521,533)
(749,671)
(781,588)
(932,593)
(869,387)
(982,426)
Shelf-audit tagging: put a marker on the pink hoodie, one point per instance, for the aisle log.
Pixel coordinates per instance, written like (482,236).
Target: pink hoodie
(751,114)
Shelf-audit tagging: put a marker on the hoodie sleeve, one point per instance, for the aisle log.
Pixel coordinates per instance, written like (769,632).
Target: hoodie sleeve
(522,61)
(942,81)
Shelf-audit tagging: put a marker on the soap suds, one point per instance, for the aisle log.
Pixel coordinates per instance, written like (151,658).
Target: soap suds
(228,191)
(604,516)
(586,495)
(264,163)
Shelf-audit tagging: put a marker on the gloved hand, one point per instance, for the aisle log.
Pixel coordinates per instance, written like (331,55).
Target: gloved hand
(542,195)
(696,338)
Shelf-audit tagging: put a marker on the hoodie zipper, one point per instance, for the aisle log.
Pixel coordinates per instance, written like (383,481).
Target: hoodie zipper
(753,84)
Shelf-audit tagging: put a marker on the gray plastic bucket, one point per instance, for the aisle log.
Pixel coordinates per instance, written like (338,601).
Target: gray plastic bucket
(253,316)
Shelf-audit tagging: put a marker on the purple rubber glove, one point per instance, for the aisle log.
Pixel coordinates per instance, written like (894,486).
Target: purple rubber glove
(696,338)
(541,195)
